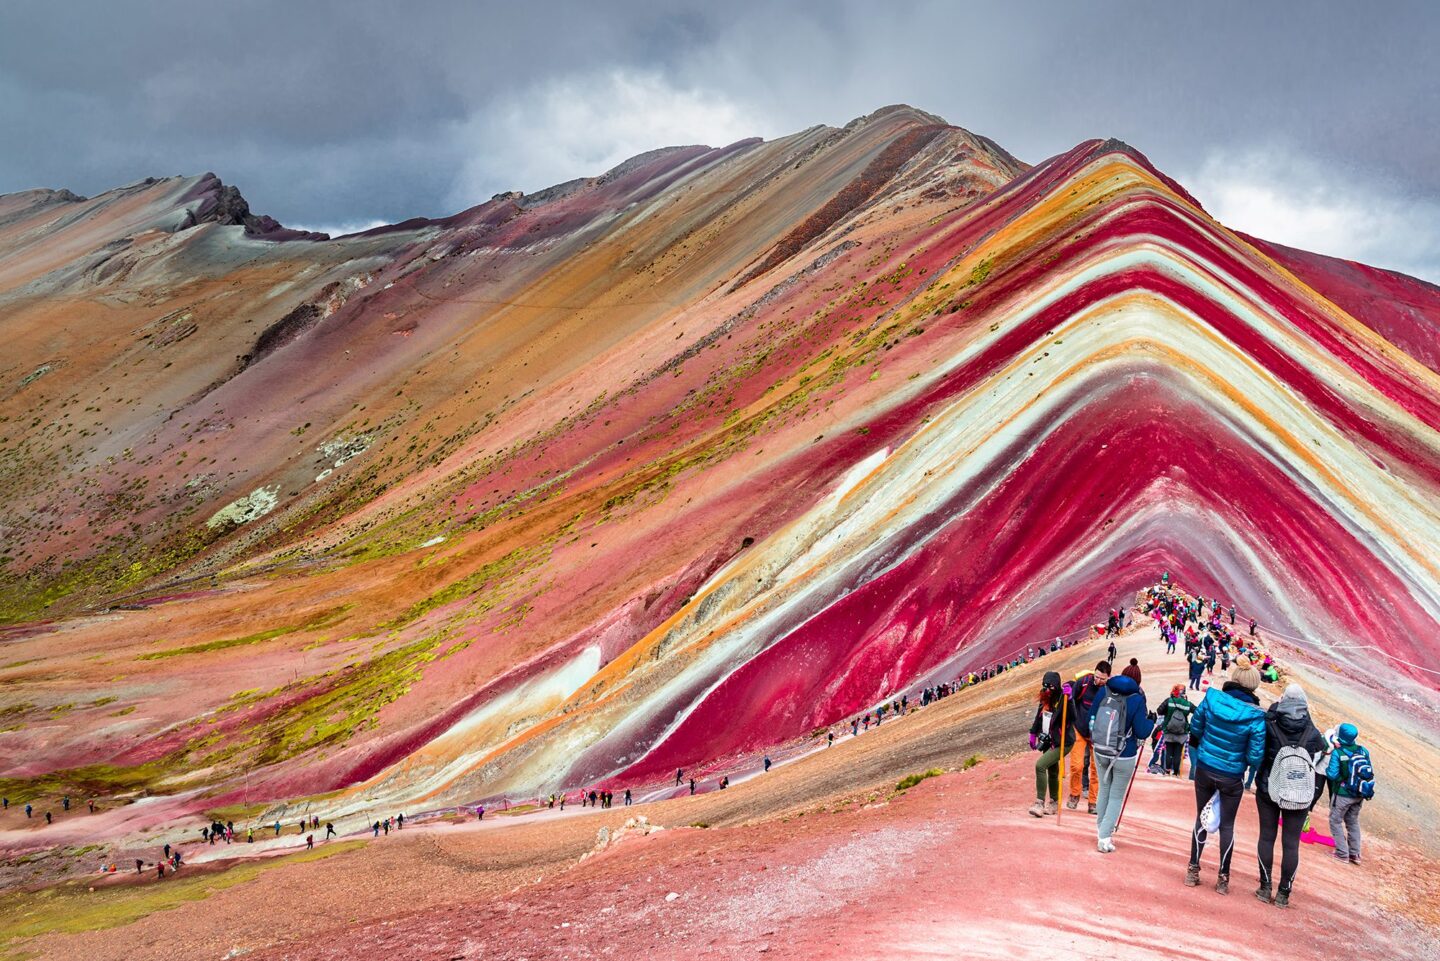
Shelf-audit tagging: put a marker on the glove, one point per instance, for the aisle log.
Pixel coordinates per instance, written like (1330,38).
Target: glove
(1068,688)
(1034,745)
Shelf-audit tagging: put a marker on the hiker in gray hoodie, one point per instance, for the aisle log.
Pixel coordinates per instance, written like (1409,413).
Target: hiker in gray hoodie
(1286,792)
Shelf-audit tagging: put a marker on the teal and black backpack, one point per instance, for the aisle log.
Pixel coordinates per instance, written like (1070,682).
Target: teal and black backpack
(1357,776)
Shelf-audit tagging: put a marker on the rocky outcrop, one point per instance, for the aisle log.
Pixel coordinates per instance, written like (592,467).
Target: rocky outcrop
(221,203)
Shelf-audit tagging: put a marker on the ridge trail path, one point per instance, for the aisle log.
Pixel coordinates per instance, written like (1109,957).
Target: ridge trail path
(820,858)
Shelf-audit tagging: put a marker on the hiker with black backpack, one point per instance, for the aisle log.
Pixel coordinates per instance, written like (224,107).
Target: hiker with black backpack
(1117,723)
(1288,787)
(1352,783)
(1174,718)
(1087,690)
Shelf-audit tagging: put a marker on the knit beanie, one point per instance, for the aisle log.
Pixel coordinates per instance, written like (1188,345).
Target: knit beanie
(1245,674)
(1132,670)
(1348,733)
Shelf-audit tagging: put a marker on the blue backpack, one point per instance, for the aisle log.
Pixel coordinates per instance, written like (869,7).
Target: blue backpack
(1357,776)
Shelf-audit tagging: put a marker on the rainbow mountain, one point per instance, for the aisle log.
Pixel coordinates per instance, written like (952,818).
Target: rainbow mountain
(669,464)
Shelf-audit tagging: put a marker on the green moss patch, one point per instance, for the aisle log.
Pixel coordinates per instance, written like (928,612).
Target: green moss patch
(71,908)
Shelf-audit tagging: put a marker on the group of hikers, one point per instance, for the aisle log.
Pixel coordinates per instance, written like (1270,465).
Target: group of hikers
(1102,718)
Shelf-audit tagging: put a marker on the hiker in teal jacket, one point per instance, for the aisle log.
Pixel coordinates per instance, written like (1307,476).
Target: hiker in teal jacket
(1345,803)
(1228,735)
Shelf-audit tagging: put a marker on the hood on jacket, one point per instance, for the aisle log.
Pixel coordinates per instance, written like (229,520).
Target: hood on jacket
(1122,686)
(1051,680)
(1240,692)
(1230,706)
(1292,715)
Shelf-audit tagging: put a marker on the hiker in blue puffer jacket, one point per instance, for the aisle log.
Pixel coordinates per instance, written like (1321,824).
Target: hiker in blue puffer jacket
(1116,751)
(1228,733)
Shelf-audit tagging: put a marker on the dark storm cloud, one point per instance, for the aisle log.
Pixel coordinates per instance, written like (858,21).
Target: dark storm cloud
(346,112)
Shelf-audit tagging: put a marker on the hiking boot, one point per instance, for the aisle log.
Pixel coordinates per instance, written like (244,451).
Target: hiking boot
(1037,810)
(1192,876)
(1354,859)
(1282,898)
(1072,802)
(1090,809)
(1051,807)
(1222,884)
(1263,893)
(1342,858)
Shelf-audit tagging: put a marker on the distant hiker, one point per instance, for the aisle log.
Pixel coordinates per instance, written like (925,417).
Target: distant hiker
(376,829)
(385,826)
(1174,718)
(1052,733)
(28,810)
(399,820)
(250,836)
(562,802)
(830,739)
(1287,789)
(594,796)
(277,828)
(159,869)
(692,785)
(679,774)
(1086,690)
(65,802)
(1352,783)
(48,818)
(628,799)
(1118,721)
(329,830)
(1228,732)
(1232,613)
(167,852)
(767,763)
(1196,659)
(92,806)
(480,812)
(724,782)
(1252,627)
(6,802)
(1112,652)
(855,727)
(139,865)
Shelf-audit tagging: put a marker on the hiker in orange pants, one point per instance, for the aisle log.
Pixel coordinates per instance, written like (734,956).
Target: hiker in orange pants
(1086,689)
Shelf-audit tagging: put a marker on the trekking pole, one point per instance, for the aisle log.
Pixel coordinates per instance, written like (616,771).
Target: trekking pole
(1060,762)
(1139,756)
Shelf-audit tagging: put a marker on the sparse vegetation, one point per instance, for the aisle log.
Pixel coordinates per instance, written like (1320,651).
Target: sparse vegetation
(910,780)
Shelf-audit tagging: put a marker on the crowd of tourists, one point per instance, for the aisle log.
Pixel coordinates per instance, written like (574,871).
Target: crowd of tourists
(1101,718)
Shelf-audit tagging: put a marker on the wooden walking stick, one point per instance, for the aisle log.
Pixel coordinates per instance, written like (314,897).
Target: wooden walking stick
(1060,762)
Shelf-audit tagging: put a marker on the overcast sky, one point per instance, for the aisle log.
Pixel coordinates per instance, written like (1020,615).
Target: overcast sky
(1314,124)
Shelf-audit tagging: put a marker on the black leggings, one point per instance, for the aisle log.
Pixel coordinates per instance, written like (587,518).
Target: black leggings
(1172,756)
(1231,789)
(1288,824)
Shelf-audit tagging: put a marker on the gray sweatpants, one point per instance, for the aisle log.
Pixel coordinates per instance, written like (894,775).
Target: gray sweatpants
(1345,825)
(1115,773)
